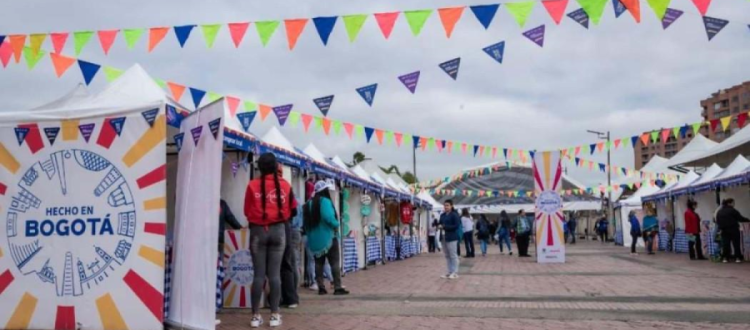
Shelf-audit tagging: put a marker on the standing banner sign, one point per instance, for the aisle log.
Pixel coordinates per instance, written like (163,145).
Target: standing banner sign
(84,214)
(238,269)
(550,242)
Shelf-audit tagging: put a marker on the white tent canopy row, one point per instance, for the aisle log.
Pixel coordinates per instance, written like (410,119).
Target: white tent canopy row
(657,164)
(529,208)
(723,153)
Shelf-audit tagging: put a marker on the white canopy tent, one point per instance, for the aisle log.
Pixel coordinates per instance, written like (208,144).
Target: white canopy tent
(698,146)
(725,152)
(731,180)
(704,194)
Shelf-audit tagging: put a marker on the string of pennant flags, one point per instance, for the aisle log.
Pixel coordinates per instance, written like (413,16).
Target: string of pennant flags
(353,24)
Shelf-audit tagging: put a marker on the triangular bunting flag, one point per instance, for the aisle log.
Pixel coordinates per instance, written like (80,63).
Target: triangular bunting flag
(21,133)
(150,116)
(415,140)
(520,10)
(702,6)
(265,30)
(665,135)
(644,139)
(536,35)
(306,120)
(368,133)
(349,128)
(496,51)
(213,96)
(5,53)
(31,59)
(714,124)
(410,80)
(17,43)
(197,96)
(556,9)
(88,70)
(353,24)
(451,67)
(593,8)
(294,28)
(580,16)
(209,33)
(399,138)
(379,136)
(725,121)
(326,126)
(51,133)
(264,111)
(634,7)
(324,104)
(214,126)
(294,118)
(35,42)
(58,41)
(670,17)
(696,128)
(178,140)
(111,74)
(232,103)
(449,17)
(183,33)
(237,32)
(337,124)
(86,131)
(676,132)
(196,133)
(741,118)
(324,26)
(117,124)
(61,63)
(713,26)
(250,106)
(106,39)
(485,14)
(368,93)
(386,22)
(81,38)
(132,36)
(155,36)
(282,113)
(416,19)
(177,90)
(246,119)
(659,7)
(619,8)
(654,136)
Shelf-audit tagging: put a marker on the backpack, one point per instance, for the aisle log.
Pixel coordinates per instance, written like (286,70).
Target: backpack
(522,226)
(483,229)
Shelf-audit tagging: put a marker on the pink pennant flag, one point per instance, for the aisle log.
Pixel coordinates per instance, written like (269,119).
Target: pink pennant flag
(494,152)
(306,120)
(556,9)
(237,31)
(399,138)
(106,38)
(386,22)
(463,147)
(58,40)
(665,135)
(5,53)
(702,6)
(232,103)
(349,128)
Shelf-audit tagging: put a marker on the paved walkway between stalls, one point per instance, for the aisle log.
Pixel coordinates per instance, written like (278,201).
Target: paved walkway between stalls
(600,287)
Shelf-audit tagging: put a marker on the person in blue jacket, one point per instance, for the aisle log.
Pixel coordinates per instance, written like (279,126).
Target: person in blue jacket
(635,231)
(321,225)
(450,223)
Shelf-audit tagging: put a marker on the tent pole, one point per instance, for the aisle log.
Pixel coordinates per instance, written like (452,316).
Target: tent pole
(381,205)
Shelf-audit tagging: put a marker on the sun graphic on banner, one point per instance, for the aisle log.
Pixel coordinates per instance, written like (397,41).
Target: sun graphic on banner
(238,269)
(85,213)
(549,205)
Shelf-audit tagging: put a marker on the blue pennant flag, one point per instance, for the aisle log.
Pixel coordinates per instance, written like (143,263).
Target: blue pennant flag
(633,140)
(178,140)
(670,16)
(51,133)
(182,33)
(602,167)
(174,118)
(150,116)
(324,104)
(2,38)
(532,153)
(196,133)
(496,51)
(578,161)
(476,148)
(713,26)
(197,95)
(485,13)
(214,126)
(624,171)
(592,148)
(536,35)
(451,67)
(118,124)
(442,143)
(368,133)
(86,131)
(619,8)
(88,70)
(505,153)
(282,113)
(368,93)
(415,140)
(683,131)
(324,25)
(246,118)
(21,133)
(580,16)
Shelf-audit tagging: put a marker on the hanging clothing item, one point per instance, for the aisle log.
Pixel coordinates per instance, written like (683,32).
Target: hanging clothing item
(393,212)
(406,213)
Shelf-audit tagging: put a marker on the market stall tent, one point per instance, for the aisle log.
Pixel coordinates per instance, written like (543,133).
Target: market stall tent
(725,152)
(698,146)
(732,182)
(704,193)
(679,195)
(632,203)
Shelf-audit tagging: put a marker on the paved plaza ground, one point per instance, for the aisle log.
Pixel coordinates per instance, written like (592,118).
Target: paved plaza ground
(599,287)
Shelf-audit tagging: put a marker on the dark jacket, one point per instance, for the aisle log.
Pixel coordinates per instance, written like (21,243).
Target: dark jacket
(226,217)
(483,229)
(451,223)
(728,219)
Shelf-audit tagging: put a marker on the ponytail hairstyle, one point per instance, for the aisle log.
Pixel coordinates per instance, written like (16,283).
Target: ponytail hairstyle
(268,166)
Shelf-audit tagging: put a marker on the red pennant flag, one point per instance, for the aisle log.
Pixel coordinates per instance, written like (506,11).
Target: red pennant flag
(349,129)
(386,22)
(638,185)
(177,90)
(399,138)
(449,17)
(5,53)
(232,104)
(294,28)
(264,111)
(665,135)
(106,38)
(237,31)
(155,36)
(702,6)
(714,124)
(61,63)
(617,143)
(741,119)
(481,151)
(644,139)
(326,126)
(58,40)
(379,135)
(556,9)
(307,119)
(16,43)
(634,7)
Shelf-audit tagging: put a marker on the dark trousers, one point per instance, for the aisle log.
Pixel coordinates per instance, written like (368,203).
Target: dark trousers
(289,264)
(267,247)
(572,236)
(522,240)
(731,239)
(604,236)
(469,244)
(696,248)
(333,256)
(635,241)
(431,244)
(458,248)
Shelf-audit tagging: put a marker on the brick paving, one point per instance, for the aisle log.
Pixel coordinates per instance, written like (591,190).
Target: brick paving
(599,287)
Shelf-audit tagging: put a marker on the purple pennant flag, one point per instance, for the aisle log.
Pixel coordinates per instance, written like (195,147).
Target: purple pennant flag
(246,118)
(496,51)
(21,133)
(214,126)
(410,80)
(178,140)
(619,8)
(51,133)
(117,124)
(86,130)
(282,113)
(670,17)
(451,67)
(150,116)
(713,26)
(536,35)
(580,16)
(368,93)
(235,167)
(196,132)
(324,104)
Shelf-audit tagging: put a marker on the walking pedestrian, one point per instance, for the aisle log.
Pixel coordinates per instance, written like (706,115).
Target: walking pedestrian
(728,219)
(468,227)
(523,234)
(483,233)
(635,231)
(321,225)
(572,225)
(450,223)
(650,229)
(603,228)
(503,232)
(493,230)
(431,232)
(269,203)
(693,230)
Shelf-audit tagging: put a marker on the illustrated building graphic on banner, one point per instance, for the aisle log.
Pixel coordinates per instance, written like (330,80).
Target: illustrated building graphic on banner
(550,244)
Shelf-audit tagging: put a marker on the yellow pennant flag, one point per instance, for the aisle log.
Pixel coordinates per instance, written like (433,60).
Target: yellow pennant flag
(725,122)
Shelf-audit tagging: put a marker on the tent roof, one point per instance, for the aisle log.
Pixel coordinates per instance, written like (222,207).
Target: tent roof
(724,152)
(685,181)
(361,173)
(429,199)
(76,96)
(635,199)
(340,163)
(709,175)
(699,145)
(315,153)
(275,138)
(529,208)
(738,166)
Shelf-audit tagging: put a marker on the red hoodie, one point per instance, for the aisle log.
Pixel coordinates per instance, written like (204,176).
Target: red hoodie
(692,222)
(254,205)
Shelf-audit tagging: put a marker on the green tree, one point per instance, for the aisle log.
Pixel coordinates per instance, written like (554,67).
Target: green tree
(409,177)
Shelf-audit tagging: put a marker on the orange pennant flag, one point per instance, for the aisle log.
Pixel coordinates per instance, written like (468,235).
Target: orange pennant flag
(423,143)
(449,146)
(600,146)
(16,43)
(155,36)
(379,135)
(294,28)
(232,104)
(327,126)
(644,139)
(481,151)
(306,120)
(61,63)
(349,129)
(177,90)
(264,111)
(634,7)
(106,38)
(449,17)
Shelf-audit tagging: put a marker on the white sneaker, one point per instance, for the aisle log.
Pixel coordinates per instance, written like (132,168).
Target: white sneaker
(446,276)
(256,322)
(218,321)
(313,287)
(293,306)
(453,276)
(275,320)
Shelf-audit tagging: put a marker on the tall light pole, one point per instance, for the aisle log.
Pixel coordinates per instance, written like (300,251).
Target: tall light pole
(610,205)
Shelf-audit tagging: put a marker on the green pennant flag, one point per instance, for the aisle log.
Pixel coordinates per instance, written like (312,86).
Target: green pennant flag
(456,146)
(585,149)
(209,33)
(353,24)
(487,151)
(697,128)
(161,83)
(31,58)
(112,73)
(265,30)
(359,130)
(608,145)
(676,132)
(293,118)
(659,7)
(593,8)
(336,126)
(416,19)
(520,10)
(132,36)
(81,39)
(625,142)
(318,123)
(389,137)
(213,96)
(654,136)
(571,151)
(431,143)
(407,140)
(250,106)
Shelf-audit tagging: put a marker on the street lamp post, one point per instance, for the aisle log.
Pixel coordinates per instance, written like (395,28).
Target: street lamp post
(610,205)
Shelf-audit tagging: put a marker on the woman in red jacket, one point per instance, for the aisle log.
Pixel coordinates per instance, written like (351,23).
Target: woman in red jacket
(693,230)
(269,202)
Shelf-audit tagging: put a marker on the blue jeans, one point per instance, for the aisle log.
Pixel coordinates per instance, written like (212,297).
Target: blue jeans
(483,245)
(451,256)
(503,237)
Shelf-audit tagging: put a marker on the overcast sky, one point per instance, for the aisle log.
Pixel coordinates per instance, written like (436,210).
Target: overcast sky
(618,76)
